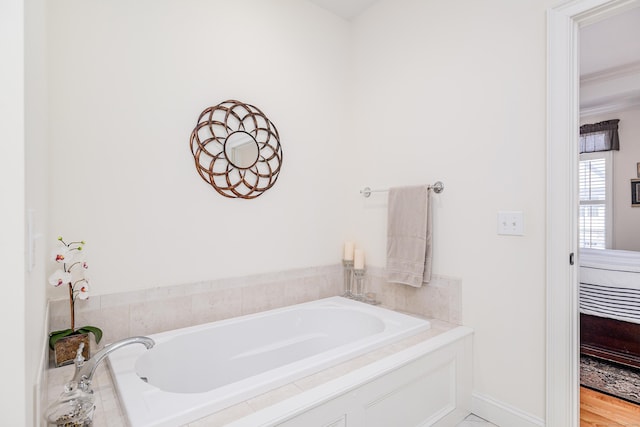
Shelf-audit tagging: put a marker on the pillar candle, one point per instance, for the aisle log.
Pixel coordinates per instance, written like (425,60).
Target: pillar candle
(358,262)
(348,251)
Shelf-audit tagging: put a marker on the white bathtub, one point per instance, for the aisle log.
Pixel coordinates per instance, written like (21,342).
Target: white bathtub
(195,371)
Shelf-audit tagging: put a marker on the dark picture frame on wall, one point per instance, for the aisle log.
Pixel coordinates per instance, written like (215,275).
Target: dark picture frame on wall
(635,192)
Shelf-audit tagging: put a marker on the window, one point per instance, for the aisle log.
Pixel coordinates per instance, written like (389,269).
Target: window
(595,200)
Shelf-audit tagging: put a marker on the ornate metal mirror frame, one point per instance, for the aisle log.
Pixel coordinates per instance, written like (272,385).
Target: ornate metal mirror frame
(236,149)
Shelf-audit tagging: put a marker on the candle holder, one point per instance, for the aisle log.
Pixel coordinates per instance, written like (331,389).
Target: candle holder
(358,274)
(348,272)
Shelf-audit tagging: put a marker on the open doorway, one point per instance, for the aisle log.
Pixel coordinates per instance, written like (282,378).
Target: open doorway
(609,225)
(563,114)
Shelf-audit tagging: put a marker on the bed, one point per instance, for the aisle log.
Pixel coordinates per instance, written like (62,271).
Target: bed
(610,305)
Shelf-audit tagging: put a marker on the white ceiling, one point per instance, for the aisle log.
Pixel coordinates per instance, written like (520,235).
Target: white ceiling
(348,9)
(611,43)
(610,64)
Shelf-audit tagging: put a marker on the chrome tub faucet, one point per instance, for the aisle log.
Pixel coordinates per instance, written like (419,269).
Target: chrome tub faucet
(86,369)
(75,406)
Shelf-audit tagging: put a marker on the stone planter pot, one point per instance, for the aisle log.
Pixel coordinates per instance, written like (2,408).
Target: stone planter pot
(65,349)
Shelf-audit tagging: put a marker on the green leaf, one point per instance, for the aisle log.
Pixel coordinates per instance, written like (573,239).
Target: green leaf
(97,332)
(57,335)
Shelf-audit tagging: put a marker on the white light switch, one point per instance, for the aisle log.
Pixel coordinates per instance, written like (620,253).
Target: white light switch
(511,223)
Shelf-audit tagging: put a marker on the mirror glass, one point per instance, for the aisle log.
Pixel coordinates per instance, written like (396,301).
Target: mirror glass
(241,149)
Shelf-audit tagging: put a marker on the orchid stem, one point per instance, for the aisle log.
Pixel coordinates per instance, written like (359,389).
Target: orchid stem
(72,308)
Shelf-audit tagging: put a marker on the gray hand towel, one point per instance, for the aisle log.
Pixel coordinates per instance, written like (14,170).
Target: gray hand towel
(409,236)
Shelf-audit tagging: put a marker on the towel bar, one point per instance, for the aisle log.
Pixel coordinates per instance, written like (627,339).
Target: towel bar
(437,187)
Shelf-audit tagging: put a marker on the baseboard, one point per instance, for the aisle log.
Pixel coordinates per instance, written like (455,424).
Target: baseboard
(502,414)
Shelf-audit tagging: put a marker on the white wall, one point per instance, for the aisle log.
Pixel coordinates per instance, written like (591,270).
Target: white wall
(411,93)
(14,391)
(36,199)
(23,166)
(455,91)
(626,232)
(127,83)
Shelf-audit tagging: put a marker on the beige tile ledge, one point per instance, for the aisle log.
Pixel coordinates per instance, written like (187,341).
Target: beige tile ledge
(108,412)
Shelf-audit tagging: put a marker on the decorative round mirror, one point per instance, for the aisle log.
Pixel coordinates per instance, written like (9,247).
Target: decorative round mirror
(236,149)
(241,149)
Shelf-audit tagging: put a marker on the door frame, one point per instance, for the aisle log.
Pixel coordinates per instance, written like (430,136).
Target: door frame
(563,120)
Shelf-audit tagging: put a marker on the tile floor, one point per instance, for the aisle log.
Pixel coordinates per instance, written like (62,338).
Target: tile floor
(474,421)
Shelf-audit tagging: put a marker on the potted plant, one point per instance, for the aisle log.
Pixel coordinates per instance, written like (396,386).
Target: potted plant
(72,273)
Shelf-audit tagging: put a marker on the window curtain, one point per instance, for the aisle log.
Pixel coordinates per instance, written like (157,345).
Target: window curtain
(601,136)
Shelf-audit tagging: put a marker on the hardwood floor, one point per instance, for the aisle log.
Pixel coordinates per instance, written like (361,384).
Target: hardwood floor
(601,410)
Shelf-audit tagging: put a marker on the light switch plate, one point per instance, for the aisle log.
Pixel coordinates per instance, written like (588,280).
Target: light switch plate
(511,223)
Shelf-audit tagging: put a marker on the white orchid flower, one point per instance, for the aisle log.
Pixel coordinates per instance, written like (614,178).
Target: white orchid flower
(63,254)
(83,292)
(60,277)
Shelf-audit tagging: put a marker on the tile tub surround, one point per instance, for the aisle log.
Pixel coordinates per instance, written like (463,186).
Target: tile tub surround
(441,298)
(162,309)
(109,412)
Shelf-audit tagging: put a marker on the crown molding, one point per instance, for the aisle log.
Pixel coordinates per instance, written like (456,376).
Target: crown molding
(614,73)
(612,107)
(611,90)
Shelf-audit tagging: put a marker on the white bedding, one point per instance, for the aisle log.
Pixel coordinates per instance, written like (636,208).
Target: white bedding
(610,284)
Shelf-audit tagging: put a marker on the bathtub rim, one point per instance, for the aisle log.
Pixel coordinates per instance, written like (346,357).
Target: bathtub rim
(360,306)
(306,400)
(419,325)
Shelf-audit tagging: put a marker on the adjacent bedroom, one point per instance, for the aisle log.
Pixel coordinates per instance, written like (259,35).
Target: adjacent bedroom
(609,231)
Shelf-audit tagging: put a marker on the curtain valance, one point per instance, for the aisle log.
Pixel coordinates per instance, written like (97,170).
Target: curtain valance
(602,136)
